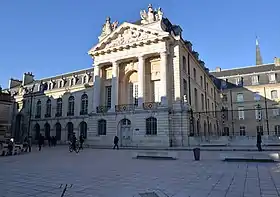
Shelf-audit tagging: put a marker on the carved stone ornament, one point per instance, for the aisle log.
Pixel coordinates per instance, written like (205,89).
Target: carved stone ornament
(108,28)
(151,16)
(128,36)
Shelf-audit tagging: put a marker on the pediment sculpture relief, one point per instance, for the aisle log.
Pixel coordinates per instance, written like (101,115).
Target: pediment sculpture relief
(128,36)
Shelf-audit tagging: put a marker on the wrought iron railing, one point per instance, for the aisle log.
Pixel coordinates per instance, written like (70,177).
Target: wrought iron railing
(151,105)
(58,114)
(102,109)
(83,112)
(70,113)
(125,107)
(47,115)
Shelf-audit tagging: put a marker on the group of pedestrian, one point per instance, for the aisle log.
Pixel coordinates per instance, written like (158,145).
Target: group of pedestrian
(52,141)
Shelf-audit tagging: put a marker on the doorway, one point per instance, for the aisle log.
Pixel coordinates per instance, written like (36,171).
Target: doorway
(125,132)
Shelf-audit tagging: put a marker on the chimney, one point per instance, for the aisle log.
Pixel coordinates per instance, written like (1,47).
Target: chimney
(218,69)
(27,78)
(277,61)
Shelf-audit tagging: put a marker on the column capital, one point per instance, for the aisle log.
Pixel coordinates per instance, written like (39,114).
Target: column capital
(163,53)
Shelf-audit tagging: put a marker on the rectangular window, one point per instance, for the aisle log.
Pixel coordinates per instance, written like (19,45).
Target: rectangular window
(242,131)
(275,110)
(202,102)
(208,104)
(135,94)
(212,92)
(272,78)
(201,81)
(257,96)
(184,64)
(108,73)
(207,87)
(224,97)
(241,113)
(194,74)
(157,91)
(185,89)
(274,94)
(255,80)
(277,130)
(108,90)
(195,99)
(239,97)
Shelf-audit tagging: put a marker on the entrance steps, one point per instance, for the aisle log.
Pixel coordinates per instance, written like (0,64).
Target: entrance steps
(156,154)
(250,157)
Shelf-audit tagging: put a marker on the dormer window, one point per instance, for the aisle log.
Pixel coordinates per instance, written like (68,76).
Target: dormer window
(239,81)
(50,86)
(255,80)
(272,78)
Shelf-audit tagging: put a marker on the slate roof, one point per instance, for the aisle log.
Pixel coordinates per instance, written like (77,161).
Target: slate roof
(246,70)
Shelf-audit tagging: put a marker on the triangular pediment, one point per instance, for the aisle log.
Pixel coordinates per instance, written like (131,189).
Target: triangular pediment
(128,34)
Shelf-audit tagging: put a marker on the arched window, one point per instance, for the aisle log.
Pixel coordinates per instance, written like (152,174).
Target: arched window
(274,94)
(48,108)
(84,104)
(58,131)
(71,104)
(151,126)
(38,109)
(70,130)
(58,107)
(47,129)
(205,128)
(102,127)
(37,131)
(83,129)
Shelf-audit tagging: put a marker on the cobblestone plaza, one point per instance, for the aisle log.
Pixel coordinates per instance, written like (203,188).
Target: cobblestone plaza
(113,173)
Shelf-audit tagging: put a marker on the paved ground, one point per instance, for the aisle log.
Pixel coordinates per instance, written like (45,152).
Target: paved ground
(109,173)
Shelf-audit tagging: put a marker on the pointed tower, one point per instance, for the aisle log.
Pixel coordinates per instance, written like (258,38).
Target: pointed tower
(258,53)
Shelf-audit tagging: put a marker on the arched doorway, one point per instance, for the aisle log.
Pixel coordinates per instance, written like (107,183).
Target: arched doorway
(37,131)
(18,128)
(83,129)
(58,131)
(47,129)
(125,132)
(70,130)
(198,127)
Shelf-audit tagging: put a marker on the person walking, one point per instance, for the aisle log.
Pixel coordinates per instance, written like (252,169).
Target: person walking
(40,141)
(259,141)
(116,142)
(81,141)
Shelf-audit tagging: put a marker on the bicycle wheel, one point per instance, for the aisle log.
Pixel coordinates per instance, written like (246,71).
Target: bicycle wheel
(77,149)
(70,149)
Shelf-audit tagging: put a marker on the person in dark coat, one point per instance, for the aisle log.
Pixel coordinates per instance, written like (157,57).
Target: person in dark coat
(259,141)
(40,141)
(116,142)
(81,141)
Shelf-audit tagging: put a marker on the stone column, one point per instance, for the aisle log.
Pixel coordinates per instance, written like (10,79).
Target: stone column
(115,86)
(163,77)
(141,80)
(96,87)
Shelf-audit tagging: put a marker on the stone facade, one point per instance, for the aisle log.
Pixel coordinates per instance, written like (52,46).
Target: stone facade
(143,84)
(6,115)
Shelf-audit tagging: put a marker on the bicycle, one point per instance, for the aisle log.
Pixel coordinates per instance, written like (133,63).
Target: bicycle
(71,149)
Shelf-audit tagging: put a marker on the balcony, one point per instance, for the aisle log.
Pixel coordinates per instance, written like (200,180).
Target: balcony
(83,112)
(151,105)
(70,113)
(125,107)
(102,109)
(47,115)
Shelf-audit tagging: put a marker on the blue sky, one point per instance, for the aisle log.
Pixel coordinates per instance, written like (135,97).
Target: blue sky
(50,37)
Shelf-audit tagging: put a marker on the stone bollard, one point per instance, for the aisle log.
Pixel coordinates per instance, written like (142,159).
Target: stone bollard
(196,154)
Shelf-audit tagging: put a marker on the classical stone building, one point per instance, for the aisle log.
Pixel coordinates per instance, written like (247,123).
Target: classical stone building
(250,101)
(145,80)
(6,115)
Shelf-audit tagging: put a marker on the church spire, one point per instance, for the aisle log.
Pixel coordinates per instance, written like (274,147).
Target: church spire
(258,53)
